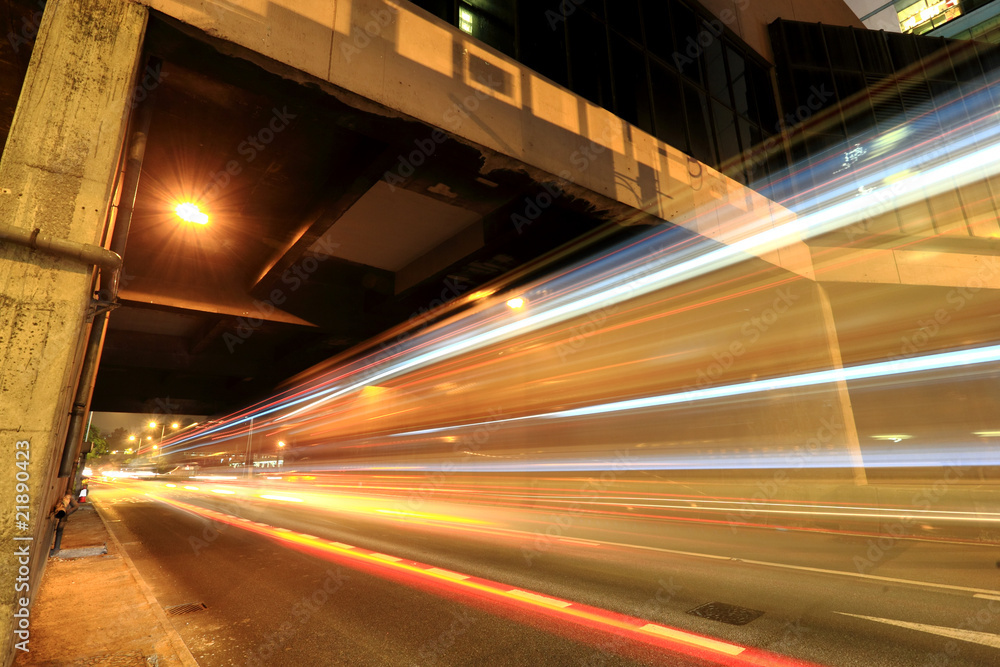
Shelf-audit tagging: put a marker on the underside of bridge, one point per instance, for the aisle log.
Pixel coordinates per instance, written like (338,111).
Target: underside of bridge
(305,254)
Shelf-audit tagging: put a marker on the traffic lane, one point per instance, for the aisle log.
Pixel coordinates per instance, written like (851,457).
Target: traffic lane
(769,501)
(797,603)
(868,542)
(536,532)
(268,604)
(554,613)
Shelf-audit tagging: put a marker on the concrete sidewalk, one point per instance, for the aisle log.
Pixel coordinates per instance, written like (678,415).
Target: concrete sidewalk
(94,609)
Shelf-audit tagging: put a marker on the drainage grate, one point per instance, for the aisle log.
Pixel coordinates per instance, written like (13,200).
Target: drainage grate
(726,613)
(80,552)
(186,608)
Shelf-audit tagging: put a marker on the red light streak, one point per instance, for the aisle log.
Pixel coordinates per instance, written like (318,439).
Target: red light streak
(536,604)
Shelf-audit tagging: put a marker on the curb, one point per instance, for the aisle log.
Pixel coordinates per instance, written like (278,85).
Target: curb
(183,653)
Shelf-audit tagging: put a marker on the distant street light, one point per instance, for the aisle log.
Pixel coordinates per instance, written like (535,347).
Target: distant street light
(163,428)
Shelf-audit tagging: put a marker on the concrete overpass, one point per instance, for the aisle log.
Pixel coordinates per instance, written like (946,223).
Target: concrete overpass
(360,163)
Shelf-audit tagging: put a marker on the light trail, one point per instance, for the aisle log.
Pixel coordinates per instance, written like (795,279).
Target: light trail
(835,207)
(808,420)
(427,576)
(537,508)
(676,358)
(883,369)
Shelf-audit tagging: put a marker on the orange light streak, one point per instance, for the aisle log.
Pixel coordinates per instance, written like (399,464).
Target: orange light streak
(636,629)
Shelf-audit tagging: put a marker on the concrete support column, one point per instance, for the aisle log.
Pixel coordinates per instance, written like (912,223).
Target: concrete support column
(850,431)
(56,175)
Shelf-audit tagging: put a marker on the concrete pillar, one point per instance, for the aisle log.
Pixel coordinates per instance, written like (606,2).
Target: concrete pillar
(851,441)
(56,175)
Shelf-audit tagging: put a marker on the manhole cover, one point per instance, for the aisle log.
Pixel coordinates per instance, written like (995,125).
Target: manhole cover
(726,613)
(186,608)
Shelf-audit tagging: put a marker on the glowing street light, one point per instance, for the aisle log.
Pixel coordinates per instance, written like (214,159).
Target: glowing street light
(515,303)
(189,212)
(163,428)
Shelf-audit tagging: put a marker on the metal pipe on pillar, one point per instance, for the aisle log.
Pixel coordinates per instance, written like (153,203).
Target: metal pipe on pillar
(133,169)
(85,252)
(130,184)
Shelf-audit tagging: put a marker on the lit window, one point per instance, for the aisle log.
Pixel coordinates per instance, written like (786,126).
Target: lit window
(464,20)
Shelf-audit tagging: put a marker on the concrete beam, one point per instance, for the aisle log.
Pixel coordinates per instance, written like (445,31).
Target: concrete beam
(396,59)
(56,175)
(907,267)
(343,191)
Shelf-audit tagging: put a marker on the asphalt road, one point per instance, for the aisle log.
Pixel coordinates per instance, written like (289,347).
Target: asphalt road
(279,590)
